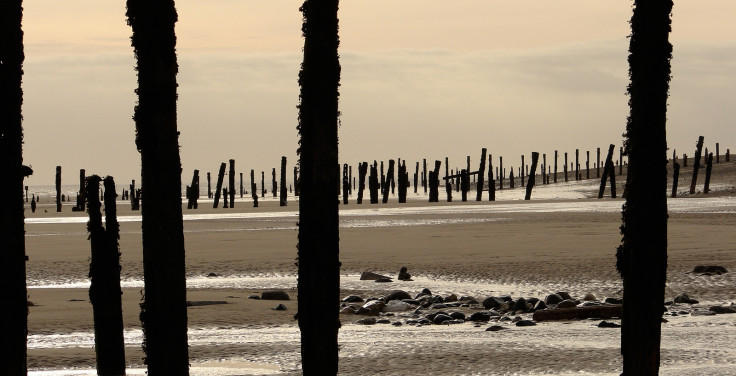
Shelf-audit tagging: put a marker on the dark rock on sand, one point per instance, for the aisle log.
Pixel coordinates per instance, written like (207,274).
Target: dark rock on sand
(567,303)
(366,321)
(257,297)
(383,280)
(723,309)
(520,304)
(493,302)
(607,324)
(553,299)
(383,321)
(280,307)
(212,275)
(275,295)
(565,295)
(457,315)
(710,269)
(525,323)
(539,306)
(352,299)
(372,308)
(683,298)
(495,328)
(396,295)
(370,276)
(441,318)
(404,274)
(468,300)
(614,301)
(480,316)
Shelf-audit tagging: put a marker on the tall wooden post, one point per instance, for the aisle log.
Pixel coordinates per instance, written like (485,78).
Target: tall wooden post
(389,179)
(296,181)
(606,172)
(621,160)
(345,184)
(218,189)
(481,175)
(544,168)
(263,184)
(193,193)
(613,179)
(350,180)
(448,180)
(587,164)
(511,177)
(403,182)
(521,172)
(82,191)
(424,176)
(362,171)
(253,188)
(555,175)
(598,163)
(224,198)
(209,185)
(577,164)
(464,184)
(231,183)
(675,177)
(491,182)
(373,184)
(58,189)
(696,164)
(708,168)
(565,166)
(531,179)
(416,179)
(274,185)
(718,153)
(501,173)
(434,182)
(241,185)
(282,196)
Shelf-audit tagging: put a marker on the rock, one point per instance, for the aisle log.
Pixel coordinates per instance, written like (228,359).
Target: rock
(404,274)
(411,301)
(383,280)
(396,295)
(431,316)
(426,291)
(480,316)
(520,304)
(347,311)
(589,297)
(683,298)
(516,319)
(722,309)
(553,299)
(370,276)
(397,323)
(492,302)
(539,306)
(212,275)
(451,298)
(526,323)
(371,308)
(257,297)
(564,295)
(275,295)
(532,301)
(366,321)
(614,301)
(468,300)
(710,269)
(441,318)
(457,315)
(438,306)
(383,321)
(699,312)
(495,328)
(578,313)
(567,303)
(352,299)
(606,324)
(396,306)
(280,307)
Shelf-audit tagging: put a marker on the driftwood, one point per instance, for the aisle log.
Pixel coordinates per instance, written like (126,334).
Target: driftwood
(579,313)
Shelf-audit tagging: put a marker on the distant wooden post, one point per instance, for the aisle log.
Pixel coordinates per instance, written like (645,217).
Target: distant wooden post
(684,160)
(606,172)
(511,177)
(565,166)
(296,181)
(350,180)
(393,179)
(403,182)
(274,185)
(555,175)
(389,179)
(491,182)
(218,189)
(224,198)
(253,189)
(521,171)
(58,189)
(373,184)
(464,184)
(209,185)
(26,188)
(612,169)
(531,180)
(728,155)
(362,172)
(448,180)
(192,195)
(587,164)
(696,164)
(675,178)
(383,179)
(424,176)
(416,179)
(345,184)
(598,163)
(82,198)
(434,182)
(481,175)
(708,168)
(577,164)
(620,161)
(282,198)
(231,183)
(241,185)
(544,168)
(718,153)
(501,173)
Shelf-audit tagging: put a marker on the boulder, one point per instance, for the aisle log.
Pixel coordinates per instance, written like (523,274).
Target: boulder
(457,315)
(441,318)
(212,275)
(280,307)
(347,311)
(683,298)
(404,275)
(614,301)
(710,269)
(451,298)
(525,323)
(539,305)
(492,302)
(370,276)
(606,324)
(396,306)
(258,297)
(383,280)
(372,308)
(275,295)
(366,321)
(520,304)
(564,295)
(722,309)
(480,316)
(495,328)
(553,299)
(396,295)
(567,303)
(383,321)
(589,297)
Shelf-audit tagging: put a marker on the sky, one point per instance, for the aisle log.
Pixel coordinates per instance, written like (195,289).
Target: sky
(420,79)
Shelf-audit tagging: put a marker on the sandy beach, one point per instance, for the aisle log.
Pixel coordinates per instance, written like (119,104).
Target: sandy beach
(562,240)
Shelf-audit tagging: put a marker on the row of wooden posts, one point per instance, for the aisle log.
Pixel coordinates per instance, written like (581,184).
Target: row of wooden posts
(383,184)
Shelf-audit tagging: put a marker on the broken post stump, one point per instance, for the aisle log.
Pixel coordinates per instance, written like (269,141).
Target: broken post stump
(606,172)
(481,175)
(253,191)
(282,196)
(218,189)
(696,164)
(708,168)
(362,172)
(675,178)
(58,189)
(373,184)
(231,183)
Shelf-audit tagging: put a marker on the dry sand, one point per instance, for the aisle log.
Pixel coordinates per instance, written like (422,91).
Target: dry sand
(481,252)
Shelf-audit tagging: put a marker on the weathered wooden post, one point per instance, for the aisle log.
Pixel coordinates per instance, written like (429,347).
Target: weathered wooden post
(33,203)
(218,188)
(598,163)
(373,184)
(458,183)
(383,179)
(577,164)
(565,166)
(345,184)
(253,189)
(209,185)
(491,181)
(684,160)
(587,164)
(481,175)
(696,164)
(620,160)
(263,184)
(193,193)
(718,153)
(434,182)
(241,185)
(424,176)
(296,181)
(675,177)
(58,189)
(224,198)
(612,169)
(501,173)
(448,180)
(403,182)
(274,185)
(511,177)
(350,180)
(531,180)
(708,168)
(416,179)
(282,198)
(606,172)
(544,168)
(136,200)
(388,180)
(231,183)
(392,181)
(555,175)
(362,172)
(82,199)
(728,155)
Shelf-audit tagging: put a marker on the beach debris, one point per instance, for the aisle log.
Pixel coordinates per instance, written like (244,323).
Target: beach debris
(404,274)
(684,298)
(212,275)
(275,295)
(710,270)
(525,323)
(607,324)
(495,328)
(257,297)
(280,307)
(723,309)
(371,276)
(366,321)
(577,313)
(352,299)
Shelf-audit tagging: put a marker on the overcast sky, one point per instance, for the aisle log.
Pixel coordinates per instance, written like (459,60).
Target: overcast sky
(420,79)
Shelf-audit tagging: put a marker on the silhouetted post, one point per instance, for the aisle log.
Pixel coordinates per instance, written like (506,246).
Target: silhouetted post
(383,180)
(606,172)
(274,186)
(104,273)
(296,181)
(33,203)
(403,182)
(224,198)
(531,179)
(587,164)
(675,177)
(136,200)
(345,184)
(373,183)
(448,180)
(684,160)
(282,192)
(263,184)
(511,178)
(58,189)
(209,185)
(389,180)
(416,179)
(362,172)
(464,184)
(544,168)
(555,175)
(696,164)
(728,155)
(708,168)
(351,181)
(598,163)
(253,188)
(565,166)
(718,155)
(218,188)
(521,170)
(192,195)
(491,182)
(458,183)
(231,183)
(577,164)
(481,175)
(424,176)
(621,160)
(612,169)
(393,180)
(26,188)
(501,173)
(434,182)
(81,200)
(241,185)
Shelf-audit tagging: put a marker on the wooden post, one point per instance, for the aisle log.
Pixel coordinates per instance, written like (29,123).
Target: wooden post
(345,184)
(362,172)
(393,179)
(193,190)
(263,184)
(58,189)
(383,180)
(531,179)
(209,185)
(403,182)
(598,163)
(373,184)
(675,177)
(241,185)
(218,189)
(464,184)
(587,164)
(254,190)
(718,153)
(491,182)
(389,180)
(511,177)
(296,181)
(274,185)
(424,176)
(684,160)
(82,198)
(231,183)
(606,172)
(350,180)
(620,161)
(501,172)
(577,164)
(728,155)
(544,168)
(708,168)
(224,198)
(448,181)
(521,171)
(434,182)
(555,175)
(416,179)
(26,188)
(612,169)
(696,164)
(282,198)
(481,175)
(565,166)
